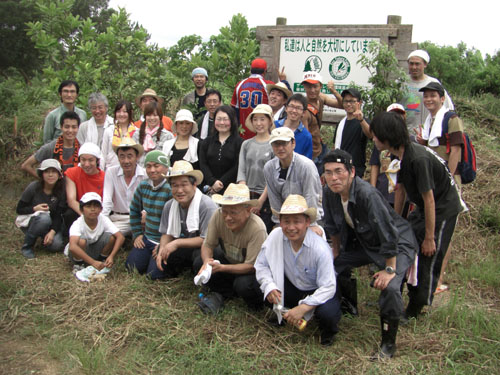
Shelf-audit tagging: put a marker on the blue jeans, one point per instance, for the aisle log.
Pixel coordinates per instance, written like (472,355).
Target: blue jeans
(39,226)
(142,260)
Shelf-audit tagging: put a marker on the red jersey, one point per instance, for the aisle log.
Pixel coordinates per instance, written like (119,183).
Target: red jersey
(247,95)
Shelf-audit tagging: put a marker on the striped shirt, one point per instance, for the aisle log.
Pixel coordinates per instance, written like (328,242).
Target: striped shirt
(151,199)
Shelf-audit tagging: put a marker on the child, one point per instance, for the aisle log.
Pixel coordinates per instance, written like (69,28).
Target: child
(93,238)
(40,209)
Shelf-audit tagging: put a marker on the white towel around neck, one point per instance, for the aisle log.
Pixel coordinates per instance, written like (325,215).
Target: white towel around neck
(191,153)
(338,133)
(204,126)
(432,133)
(192,220)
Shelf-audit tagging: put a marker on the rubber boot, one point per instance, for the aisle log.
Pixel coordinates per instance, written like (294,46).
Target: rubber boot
(349,296)
(412,311)
(388,346)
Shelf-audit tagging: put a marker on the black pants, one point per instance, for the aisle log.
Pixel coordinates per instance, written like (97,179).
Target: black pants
(231,285)
(390,300)
(328,314)
(429,267)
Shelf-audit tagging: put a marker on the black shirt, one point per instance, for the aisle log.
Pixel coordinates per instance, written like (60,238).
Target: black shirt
(423,170)
(354,142)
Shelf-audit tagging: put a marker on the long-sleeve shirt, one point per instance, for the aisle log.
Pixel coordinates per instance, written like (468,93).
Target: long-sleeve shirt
(219,161)
(117,195)
(311,268)
(33,195)
(151,199)
(302,178)
(52,126)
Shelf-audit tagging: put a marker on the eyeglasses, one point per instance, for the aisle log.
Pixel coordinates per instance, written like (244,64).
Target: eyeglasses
(295,108)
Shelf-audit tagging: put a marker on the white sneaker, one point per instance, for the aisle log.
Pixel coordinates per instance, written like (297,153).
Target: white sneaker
(86,274)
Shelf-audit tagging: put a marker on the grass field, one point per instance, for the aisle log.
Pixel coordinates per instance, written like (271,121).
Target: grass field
(50,323)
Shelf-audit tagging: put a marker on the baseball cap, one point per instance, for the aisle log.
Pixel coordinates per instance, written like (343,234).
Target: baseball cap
(396,107)
(353,92)
(89,197)
(312,77)
(433,86)
(281,134)
(259,64)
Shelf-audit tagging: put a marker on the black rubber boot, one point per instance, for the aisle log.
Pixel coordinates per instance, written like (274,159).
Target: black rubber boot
(413,310)
(388,346)
(349,296)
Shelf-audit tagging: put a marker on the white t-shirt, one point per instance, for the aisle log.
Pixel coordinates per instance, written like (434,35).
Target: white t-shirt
(80,229)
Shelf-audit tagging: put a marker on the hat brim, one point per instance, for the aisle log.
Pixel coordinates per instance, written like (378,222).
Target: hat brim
(136,147)
(311,81)
(198,175)
(311,212)
(284,90)
(194,130)
(224,201)
(249,125)
(139,98)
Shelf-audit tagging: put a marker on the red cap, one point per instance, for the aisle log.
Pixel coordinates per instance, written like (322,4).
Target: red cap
(259,64)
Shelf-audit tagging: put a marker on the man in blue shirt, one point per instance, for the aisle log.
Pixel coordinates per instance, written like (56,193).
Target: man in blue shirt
(295,271)
(295,107)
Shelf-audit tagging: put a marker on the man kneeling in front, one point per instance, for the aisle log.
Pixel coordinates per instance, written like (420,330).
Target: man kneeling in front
(295,270)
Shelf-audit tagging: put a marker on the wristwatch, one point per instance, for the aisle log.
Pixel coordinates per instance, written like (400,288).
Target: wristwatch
(390,270)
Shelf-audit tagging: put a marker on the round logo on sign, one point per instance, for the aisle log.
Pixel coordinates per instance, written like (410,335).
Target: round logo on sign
(339,68)
(313,64)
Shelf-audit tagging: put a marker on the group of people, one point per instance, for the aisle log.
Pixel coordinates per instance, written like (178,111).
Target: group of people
(266,213)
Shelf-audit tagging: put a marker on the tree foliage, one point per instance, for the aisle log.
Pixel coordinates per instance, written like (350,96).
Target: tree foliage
(386,76)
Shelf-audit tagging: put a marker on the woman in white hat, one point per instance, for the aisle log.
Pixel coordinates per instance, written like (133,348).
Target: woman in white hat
(184,146)
(113,136)
(40,209)
(254,154)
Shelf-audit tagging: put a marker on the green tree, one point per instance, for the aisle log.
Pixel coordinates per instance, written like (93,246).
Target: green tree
(488,79)
(386,76)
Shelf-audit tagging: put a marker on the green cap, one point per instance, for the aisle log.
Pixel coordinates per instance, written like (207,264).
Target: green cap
(157,157)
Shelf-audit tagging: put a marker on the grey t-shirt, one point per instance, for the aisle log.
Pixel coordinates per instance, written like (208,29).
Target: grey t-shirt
(253,156)
(207,208)
(47,152)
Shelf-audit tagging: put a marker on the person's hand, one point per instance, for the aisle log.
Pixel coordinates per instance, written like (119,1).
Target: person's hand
(143,217)
(49,238)
(382,279)
(316,229)
(274,296)
(41,207)
(428,247)
(282,74)
(217,186)
(138,242)
(331,86)
(98,265)
(294,315)
(164,252)
(256,210)
(154,253)
(216,266)
(418,132)
(109,262)
(205,265)
(358,114)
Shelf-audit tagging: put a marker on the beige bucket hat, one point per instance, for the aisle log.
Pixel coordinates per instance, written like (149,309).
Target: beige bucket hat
(235,194)
(185,115)
(264,109)
(296,204)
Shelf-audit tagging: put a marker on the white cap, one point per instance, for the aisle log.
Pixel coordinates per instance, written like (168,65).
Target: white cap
(89,197)
(396,107)
(312,77)
(90,148)
(420,53)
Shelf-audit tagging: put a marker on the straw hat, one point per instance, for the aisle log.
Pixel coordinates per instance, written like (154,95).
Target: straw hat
(296,204)
(129,142)
(235,194)
(279,86)
(184,168)
(264,109)
(148,92)
(185,115)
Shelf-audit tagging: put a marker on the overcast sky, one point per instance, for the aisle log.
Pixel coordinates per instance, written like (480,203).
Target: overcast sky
(443,22)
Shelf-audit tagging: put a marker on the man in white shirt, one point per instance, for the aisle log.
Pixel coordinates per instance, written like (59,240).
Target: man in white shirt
(295,270)
(120,183)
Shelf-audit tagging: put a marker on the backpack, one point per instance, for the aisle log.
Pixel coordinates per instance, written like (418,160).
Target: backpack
(467,165)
